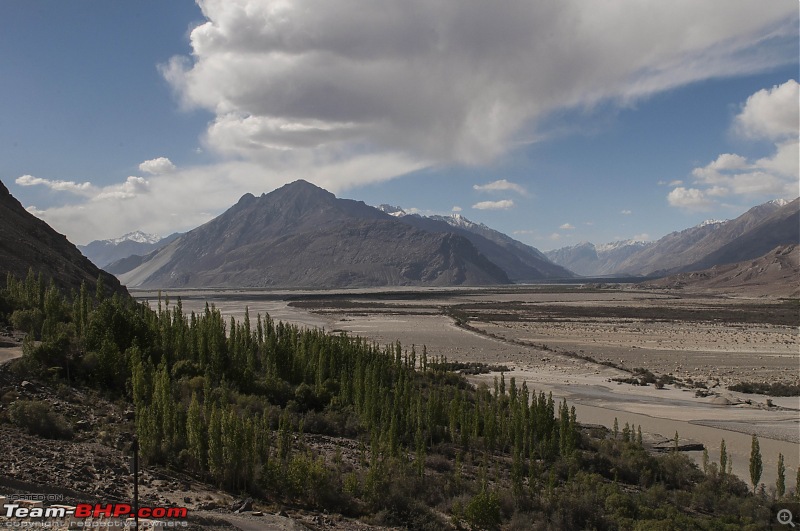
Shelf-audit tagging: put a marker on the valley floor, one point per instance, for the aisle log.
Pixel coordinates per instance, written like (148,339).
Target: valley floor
(574,342)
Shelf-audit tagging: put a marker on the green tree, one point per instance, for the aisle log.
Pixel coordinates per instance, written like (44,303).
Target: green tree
(196,434)
(216,465)
(756,465)
(723,457)
(780,483)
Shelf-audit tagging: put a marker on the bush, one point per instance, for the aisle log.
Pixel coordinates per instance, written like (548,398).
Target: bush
(37,418)
(483,511)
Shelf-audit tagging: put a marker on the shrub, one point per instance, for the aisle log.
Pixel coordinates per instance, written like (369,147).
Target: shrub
(37,418)
(483,511)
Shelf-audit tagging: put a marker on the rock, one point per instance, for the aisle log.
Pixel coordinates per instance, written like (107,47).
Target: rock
(247,505)
(257,513)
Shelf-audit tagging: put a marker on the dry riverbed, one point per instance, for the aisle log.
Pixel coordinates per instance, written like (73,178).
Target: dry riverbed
(574,342)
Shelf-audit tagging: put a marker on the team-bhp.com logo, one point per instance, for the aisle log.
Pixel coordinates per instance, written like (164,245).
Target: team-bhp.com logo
(87,510)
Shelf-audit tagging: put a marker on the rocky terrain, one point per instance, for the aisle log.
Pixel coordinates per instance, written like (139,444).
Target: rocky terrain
(28,242)
(94,465)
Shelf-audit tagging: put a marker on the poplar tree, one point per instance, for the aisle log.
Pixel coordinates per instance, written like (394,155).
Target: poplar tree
(723,457)
(216,465)
(780,483)
(196,434)
(756,465)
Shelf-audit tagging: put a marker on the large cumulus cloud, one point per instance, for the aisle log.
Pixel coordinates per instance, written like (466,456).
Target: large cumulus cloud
(450,80)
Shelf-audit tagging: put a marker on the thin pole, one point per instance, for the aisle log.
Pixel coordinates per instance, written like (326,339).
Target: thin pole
(136,482)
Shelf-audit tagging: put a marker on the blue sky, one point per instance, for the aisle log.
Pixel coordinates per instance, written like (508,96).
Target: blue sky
(553,123)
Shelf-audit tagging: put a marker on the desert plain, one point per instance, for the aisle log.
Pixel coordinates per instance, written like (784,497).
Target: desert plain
(580,343)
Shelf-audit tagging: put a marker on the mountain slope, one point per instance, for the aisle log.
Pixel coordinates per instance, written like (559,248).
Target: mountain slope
(777,273)
(105,252)
(747,237)
(781,227)
(28,242)
(521,262)
(303,236)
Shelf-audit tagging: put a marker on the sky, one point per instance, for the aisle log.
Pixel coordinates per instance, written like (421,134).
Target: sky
(554,122)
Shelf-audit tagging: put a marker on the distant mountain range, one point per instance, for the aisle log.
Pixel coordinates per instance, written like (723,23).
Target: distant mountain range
(592,260)
(28,242)
(303,236)
(104,252)
(751,235)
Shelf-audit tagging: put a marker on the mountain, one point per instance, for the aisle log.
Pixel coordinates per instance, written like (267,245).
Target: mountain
(521,262)
(774,274)
(28,242)
(104,252)
(303,236)
(780,226)
(590,260)
(747,237)
(712,242)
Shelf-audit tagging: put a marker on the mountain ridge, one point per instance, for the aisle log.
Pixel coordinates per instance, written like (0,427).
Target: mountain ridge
(303,236)
(520,261)
(27,242)
(712,242)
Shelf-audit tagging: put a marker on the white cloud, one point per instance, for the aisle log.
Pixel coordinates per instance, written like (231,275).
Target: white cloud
(60,186)
(567,226)
(626,212)
(766,115)
(345,93)
(772,114)
(157,166)
(690,198)
(727,161)
(132,187)
(502,185)
(643,237)
(35,211)
(555,236)
(450,80)
(503,204)
(456,209)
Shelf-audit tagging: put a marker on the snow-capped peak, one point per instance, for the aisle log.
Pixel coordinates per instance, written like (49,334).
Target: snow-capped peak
(457,220)
(136,236)
(779,202)
(395,211)
(712,222)
(611,246)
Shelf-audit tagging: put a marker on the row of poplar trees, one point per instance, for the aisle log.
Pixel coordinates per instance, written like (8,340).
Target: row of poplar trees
(228,399)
